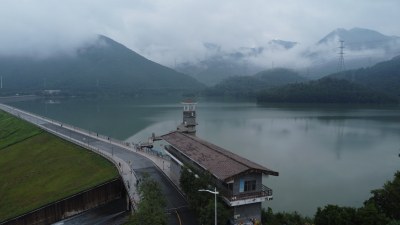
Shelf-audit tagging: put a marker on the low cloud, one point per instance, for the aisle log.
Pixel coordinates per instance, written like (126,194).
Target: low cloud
(175,31)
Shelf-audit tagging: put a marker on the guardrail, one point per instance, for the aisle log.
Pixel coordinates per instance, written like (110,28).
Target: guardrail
(230,196)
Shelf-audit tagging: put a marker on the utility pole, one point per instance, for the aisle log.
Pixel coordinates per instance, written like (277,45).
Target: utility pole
(341,66)
(215,192)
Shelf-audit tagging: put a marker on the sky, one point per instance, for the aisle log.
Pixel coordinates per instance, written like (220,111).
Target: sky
(176,30)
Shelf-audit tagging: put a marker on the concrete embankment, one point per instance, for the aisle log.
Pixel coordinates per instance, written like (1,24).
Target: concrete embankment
(73,205)
(18,98)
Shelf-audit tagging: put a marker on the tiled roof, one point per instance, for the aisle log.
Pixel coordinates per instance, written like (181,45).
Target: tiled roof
(222,163)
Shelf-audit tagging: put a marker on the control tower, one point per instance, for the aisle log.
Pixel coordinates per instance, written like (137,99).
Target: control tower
(188,124)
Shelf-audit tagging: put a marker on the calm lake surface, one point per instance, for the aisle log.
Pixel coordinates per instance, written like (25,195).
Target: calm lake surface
(324,154)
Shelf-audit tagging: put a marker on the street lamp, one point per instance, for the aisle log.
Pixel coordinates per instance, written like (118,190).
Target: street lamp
(215,192)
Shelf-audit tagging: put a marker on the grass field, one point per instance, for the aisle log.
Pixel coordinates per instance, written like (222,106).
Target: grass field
(13,130)
(37,168)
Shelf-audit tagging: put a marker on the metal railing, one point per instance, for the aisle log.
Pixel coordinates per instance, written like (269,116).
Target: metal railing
(230,196)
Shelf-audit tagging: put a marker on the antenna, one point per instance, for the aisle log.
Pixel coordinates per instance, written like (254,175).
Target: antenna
(341,66)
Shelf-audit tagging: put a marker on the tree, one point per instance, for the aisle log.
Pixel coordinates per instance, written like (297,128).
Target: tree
(152,203)
(268,217)
(387,199)
(369,215)
(334,215)
(325,90)
(206,215)
(202,203)
(394,222)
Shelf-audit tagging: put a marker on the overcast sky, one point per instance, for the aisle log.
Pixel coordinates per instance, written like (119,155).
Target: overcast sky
(168,30)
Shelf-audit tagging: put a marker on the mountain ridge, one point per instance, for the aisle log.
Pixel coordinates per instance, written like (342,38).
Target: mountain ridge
(384,76)
(359,38)
(362,47)
(377,84)
(104,64)
(248,86)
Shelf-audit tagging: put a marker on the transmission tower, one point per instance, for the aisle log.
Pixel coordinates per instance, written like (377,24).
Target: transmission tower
(341,66)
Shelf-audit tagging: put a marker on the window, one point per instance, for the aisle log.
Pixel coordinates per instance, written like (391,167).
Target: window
(250,185)
(230,186)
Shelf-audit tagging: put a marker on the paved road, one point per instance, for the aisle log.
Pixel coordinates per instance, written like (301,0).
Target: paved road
(123,157)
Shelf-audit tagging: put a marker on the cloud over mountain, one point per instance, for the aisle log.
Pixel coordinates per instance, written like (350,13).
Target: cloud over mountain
(176,30)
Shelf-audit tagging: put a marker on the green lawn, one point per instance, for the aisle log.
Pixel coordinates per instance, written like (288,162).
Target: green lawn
(37,168)
(13,130)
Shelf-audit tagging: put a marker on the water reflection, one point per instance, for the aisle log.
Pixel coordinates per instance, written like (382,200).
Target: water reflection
(324,154)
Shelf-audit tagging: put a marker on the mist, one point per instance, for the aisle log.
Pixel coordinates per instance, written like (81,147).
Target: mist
(176,31)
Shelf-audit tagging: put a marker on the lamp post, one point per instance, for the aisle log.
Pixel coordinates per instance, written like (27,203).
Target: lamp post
(215,192)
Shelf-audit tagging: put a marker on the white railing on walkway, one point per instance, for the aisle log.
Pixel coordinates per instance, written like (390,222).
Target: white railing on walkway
(128,183)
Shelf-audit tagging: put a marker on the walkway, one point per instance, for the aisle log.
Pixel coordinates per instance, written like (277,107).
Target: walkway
(131,164)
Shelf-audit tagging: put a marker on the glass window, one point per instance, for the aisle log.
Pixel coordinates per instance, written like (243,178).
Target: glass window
(241,185)
(250,185)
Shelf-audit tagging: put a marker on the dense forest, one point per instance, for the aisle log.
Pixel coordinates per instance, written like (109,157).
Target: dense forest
(384,76)
(248,86)
(325,90)
(379,84)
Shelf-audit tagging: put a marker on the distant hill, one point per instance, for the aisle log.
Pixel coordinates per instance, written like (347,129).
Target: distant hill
(104,65)
(362,48)
(325,90)
(220,64)
(248,86)
(360,38)
(384,76)
(279,76)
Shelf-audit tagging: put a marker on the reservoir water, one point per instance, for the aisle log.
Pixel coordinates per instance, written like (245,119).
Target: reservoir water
(325,154)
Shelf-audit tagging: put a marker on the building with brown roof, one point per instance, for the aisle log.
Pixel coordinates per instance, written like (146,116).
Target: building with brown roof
(238,180)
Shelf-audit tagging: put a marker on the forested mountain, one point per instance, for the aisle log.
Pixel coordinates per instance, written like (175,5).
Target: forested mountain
(384,76)
(325,90)
(104,65)
(248,86)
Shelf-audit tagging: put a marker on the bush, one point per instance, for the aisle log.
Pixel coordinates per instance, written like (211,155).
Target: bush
(151,206)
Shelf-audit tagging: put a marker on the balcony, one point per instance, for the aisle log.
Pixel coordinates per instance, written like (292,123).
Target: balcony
(243,198)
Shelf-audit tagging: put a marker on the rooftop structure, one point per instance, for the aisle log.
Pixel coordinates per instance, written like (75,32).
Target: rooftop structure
(239,180)
(223,164)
